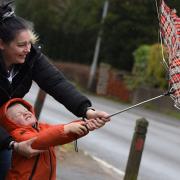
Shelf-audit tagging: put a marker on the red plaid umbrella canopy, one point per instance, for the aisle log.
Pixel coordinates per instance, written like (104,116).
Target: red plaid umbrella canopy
(170,32)
(170,36)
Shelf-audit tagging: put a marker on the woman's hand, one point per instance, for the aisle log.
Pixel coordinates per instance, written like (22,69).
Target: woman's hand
(24,148)
(96,119)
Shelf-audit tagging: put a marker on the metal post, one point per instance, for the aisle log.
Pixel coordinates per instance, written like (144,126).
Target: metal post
(97,48)
(136,150)
(39,102)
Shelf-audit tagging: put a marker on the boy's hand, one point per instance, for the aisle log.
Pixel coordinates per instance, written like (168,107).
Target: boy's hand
(78,128)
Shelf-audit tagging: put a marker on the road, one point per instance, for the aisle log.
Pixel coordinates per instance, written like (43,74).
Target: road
(161,157)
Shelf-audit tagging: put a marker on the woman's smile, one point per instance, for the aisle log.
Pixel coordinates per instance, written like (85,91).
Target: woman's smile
(17,50)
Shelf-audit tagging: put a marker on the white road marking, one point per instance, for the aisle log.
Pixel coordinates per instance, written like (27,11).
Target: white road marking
(105,164)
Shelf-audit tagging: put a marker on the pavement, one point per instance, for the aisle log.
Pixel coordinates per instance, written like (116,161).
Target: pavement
(82,166)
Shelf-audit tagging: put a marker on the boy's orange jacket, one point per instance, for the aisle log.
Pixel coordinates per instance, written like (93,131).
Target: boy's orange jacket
(42,166)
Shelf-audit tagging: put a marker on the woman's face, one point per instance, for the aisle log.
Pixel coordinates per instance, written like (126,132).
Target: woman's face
(16,51)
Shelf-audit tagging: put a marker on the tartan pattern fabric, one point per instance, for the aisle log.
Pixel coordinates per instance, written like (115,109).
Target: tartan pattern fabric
(170,31)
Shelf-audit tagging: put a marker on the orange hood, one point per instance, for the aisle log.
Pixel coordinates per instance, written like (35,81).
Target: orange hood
(5,121)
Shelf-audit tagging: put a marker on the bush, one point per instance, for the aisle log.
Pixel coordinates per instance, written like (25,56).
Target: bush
(148,69)
(155,73)
(139,69)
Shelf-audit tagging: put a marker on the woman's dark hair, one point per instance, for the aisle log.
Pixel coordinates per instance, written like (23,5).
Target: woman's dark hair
(10,24)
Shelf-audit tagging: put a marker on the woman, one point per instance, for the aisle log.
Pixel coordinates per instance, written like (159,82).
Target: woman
(20,64)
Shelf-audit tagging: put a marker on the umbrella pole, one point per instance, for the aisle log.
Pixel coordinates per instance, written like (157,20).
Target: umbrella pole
(143,102)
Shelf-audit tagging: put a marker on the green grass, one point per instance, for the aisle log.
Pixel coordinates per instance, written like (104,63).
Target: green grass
(167,112)
(68,147)
(174,114)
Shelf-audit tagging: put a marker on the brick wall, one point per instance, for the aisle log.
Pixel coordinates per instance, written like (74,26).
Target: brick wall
(111,83)
(116,86)
(75,72)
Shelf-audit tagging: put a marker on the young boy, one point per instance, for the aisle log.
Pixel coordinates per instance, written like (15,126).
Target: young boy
(17,117)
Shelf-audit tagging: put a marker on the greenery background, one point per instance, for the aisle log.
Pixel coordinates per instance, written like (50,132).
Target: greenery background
(68,30)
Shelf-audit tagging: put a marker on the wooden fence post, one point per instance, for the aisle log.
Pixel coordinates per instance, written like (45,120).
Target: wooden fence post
(39,102)
(136,150)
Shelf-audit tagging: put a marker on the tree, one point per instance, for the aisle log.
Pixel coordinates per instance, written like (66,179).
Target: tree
(129,24)
(45,14)
(68,29)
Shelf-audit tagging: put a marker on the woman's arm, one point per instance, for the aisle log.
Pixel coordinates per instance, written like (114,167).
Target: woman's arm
(63,91)
(24,148)
(53,82)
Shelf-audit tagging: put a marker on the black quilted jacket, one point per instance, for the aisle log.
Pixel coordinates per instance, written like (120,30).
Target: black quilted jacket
(37,68)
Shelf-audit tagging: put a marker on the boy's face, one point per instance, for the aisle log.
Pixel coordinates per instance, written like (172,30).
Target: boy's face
(20,115)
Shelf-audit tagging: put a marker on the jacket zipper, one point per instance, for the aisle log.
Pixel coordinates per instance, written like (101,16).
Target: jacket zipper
(36,162)
(21,81)
(34,167)
(50,159)
(18,86)
(10,95)
(30,67)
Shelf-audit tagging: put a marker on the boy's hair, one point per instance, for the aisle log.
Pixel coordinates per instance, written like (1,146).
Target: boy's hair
(15,103)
